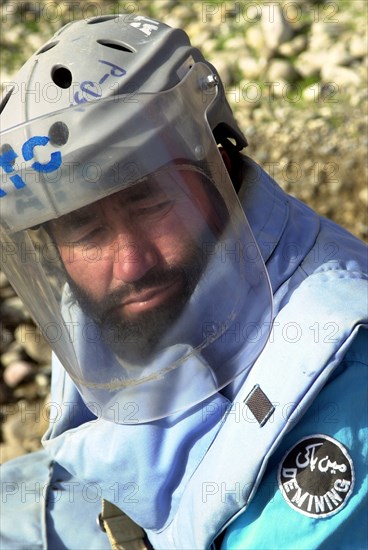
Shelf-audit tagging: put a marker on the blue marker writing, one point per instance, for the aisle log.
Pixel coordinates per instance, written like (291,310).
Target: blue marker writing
(7,160)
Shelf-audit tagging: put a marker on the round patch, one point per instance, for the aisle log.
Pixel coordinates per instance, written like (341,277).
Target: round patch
(316,476)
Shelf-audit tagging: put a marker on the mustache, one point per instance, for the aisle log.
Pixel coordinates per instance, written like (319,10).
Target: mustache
(155,277)
(103,310)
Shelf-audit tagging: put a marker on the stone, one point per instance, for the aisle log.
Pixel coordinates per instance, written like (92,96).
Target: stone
(22,431)
(27,390)
(200,35)
(7,292)
(363,195)
(311,63)
(250,67)
(276,30)
(339,55)
(3,280)
(280,69)
(359,98)
(248,94)
(252,13)
(16,372)
(255,39)
(34,42)
(14,353)
(238,44)
(32,341)
(13,308)
(358,46)
(340,76)
(209,50)
(325,30)
(294,46)
(312,93)
(6,338)
(308,64)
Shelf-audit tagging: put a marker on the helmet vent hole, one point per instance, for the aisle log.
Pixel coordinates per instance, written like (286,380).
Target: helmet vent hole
(116,45)
(62,77)
(100,19)
(47,47)
(5,100)
(58,133)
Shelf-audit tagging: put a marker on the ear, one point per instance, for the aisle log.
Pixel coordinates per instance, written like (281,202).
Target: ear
(226,159)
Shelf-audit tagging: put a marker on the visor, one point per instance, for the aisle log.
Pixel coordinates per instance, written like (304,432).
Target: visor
(133,253)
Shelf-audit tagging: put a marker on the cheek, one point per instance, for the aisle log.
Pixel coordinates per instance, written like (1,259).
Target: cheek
(88,269)
(177,236)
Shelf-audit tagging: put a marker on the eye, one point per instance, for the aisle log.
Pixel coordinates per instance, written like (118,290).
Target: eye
(91,237)
(156,209)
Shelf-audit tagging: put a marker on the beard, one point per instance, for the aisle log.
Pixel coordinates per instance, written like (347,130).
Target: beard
(137,339)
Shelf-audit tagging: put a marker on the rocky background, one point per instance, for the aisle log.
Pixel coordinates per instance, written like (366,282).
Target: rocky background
(295,73)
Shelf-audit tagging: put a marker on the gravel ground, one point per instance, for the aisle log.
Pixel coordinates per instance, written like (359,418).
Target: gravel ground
(295,74)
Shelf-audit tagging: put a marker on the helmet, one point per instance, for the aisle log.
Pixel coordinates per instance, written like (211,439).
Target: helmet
(110,110)
(108,56)
(103,57)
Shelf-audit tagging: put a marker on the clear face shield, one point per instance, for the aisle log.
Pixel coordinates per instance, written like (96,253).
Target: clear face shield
(133,254)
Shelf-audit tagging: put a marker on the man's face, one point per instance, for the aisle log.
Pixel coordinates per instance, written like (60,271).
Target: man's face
(134,258)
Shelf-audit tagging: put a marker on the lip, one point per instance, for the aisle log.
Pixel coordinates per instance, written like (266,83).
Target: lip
(151,297)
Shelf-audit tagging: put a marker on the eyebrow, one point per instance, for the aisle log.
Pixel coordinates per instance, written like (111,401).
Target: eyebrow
(83,216)
(75,219)
(141,191)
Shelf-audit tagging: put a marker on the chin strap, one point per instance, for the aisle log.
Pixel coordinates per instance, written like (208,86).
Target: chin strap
(122,532)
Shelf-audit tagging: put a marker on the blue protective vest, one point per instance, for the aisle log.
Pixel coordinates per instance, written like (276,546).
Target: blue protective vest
(187,478)
(340,412)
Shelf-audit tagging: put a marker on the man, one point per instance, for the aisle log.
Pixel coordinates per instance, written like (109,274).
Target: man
(203,376)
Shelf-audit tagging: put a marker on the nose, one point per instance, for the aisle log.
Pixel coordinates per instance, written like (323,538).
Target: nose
(133,258)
